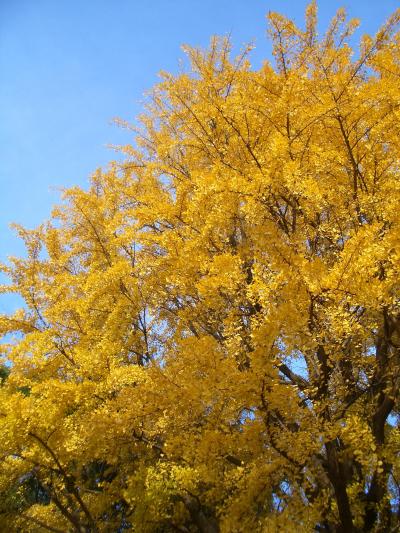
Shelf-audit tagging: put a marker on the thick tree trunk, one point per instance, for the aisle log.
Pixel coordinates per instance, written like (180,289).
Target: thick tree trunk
(336,476)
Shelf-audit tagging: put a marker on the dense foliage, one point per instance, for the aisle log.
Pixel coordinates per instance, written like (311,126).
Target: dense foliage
(210,337)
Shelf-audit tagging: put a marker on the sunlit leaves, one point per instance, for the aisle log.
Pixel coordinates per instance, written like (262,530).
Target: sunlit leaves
(210,336)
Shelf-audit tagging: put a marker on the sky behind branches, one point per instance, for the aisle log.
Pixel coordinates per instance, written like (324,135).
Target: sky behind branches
(68,67)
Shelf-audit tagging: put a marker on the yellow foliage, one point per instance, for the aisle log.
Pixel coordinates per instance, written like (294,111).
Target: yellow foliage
(210,336)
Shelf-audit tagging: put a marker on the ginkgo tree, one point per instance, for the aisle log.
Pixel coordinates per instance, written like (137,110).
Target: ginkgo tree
(210,340)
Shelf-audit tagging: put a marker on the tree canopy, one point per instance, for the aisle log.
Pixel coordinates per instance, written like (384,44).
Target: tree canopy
(211,333)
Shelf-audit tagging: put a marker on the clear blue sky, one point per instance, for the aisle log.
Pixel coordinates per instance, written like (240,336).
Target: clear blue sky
(68,67)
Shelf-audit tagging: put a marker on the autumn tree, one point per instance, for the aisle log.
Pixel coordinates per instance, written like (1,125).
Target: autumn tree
(210,337)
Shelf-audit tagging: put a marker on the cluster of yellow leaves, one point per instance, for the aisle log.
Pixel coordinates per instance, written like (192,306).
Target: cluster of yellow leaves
(210,337)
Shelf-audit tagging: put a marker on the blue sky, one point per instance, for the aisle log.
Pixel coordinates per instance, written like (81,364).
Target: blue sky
(68,67)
